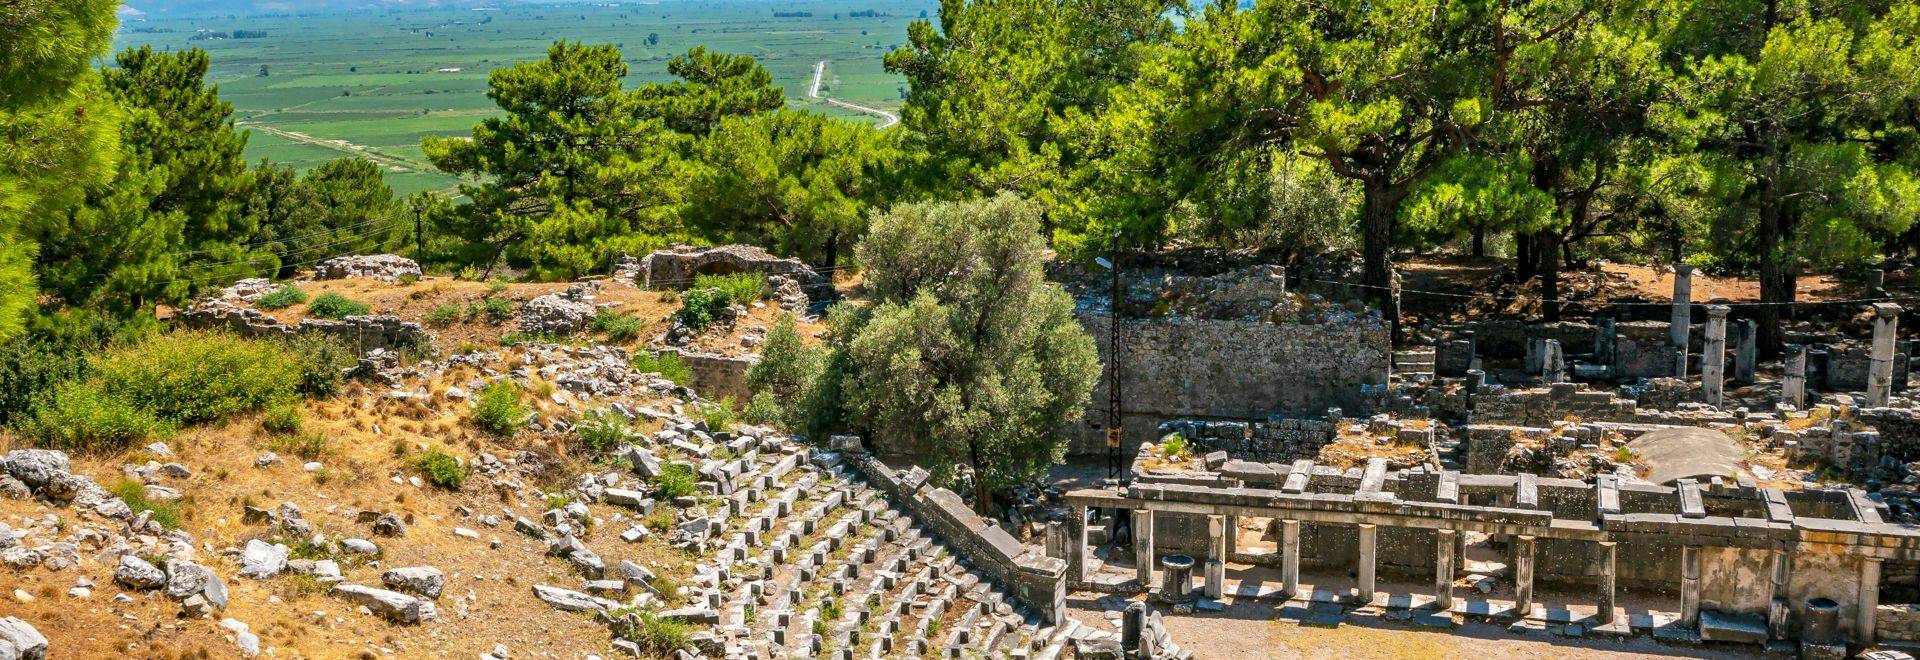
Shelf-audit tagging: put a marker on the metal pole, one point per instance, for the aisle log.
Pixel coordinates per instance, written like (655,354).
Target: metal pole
(1114,420)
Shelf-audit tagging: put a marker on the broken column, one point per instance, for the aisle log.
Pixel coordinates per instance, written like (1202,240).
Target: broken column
(1522,575)
(1682,320)
(1553,362)
(1603,338)
(1793,383)
(1609,552)
(1869,601)
(1290,557)
(1746,350)
(1779,612)
(1443,569)
(1713,358)
(1143,547)
(1216,578)
(1056,540)
(1364,572)
(1233,533)
(1690,586)
(1886,316)
(1077,545)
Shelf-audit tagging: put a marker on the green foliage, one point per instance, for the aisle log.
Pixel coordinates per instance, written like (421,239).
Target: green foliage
(57,350)
(621,327)
(286,296)
(740,288)
(1175,446)
(665,363)
(284,417)
(784,378)
(970,356)
(443,315)
(134,493)
(497,309)
(323,364)
(763,408)
(440,468)
(798,182)
(717,416)
(193,378)
(699,308)
(675,480)
(498,409)
(81,415)
(602,429)
(712,87)
(659,636)
(336,306)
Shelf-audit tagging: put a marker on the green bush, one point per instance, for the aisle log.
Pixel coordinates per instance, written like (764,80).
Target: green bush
(741,288)
(498,409)
(33,363)
(286,296)
(700,307)
(443,315)
(657,636)
(441,468)
(498,309)
(602,429)
(667,364)
(762,409)
(620,327)
(134,494)
(80,415)
(718,416)
(283,417)
(675,480)
(336,306)
(191,377)
(324,362)
(495,286)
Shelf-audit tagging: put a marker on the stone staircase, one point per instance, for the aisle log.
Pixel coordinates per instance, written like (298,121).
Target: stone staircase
(1414,364)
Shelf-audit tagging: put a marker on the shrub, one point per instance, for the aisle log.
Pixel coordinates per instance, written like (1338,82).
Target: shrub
(498,409)
(311,445)
(620,327)
(762,409)
(284,417)
(32,363)
(495,286)
(286,296)
(80,415)
(443,315)
(441,468)
(190,378)
(665,363)
(741,288)
(324,362)
(470,274)
(675,480)
(1174,446)
(658,636)
(134,494)
(602,429)
(718,416)
(336,306)
(497,309)
(699,308)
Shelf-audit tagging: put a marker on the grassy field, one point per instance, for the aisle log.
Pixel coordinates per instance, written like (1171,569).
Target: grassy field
(374,82)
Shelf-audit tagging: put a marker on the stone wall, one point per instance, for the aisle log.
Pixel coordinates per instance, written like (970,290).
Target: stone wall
(363,333)
(1234,370)
(1027,573)
(1276,440)
(1897,623)
(717,376)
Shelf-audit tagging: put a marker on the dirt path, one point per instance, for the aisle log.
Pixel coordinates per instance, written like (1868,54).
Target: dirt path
(342,146)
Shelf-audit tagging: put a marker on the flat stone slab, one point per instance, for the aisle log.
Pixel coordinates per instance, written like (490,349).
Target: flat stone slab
(1718,626)
(1324,615)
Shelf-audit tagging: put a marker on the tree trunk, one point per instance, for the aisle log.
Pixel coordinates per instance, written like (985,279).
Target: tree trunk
(1548,251)
(1775,288)
(1479,241)
(833,251)
(1377,232)
(1524,265)
(982,495)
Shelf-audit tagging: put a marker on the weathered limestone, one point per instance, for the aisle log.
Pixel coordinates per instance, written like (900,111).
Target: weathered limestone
(1077,565)
(1523,575)
(1690,585)
(1746,351)
(1443,543)
(1793,384)
(1143,545)
(1886,316)
(1863,630)
(1682,319)
(1290,557)
(1609,553)
(1713,358)
(1779,611)
(1216,570)
(1365,571)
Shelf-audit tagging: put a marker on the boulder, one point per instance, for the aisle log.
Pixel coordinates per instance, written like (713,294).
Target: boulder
(35,467)
(571,601)
(555,313)
(186,579)
(423,580)
(136,573)
(390,604)
(261,560)
(19,639)
(387,267)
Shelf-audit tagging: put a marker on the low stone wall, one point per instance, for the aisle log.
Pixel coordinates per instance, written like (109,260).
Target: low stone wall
(1275,440)
(1036,579)
(717,376)
(1897,623)
(363,333)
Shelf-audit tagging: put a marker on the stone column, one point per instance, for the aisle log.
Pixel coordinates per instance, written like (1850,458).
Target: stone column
(1364,572)
(1443,540)
(1682,319)
(1553,362)
(1290,557)
(1056,539)
(1880,371)
(1779,607)
(1746,353)
(1522,575)
(1713,358)
(1143,547)
(1077,546)
(1233,536)
(1793,384)
(1216,578)
(1863,631)
(1690,585)
(1609,552)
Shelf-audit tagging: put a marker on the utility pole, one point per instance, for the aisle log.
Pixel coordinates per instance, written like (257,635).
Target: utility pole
(1114,420)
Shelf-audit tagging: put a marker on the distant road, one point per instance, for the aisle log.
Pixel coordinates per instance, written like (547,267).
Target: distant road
(819,71)
(339,145)
(886,118)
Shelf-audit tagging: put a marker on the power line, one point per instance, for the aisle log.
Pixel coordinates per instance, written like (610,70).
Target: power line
(1496,298)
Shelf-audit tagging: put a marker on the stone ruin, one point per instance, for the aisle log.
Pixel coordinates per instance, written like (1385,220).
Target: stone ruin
(794,285)
(361,333)
(562,313)
(386,267)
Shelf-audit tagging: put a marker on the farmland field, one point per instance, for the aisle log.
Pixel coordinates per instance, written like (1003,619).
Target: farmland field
(373,82)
